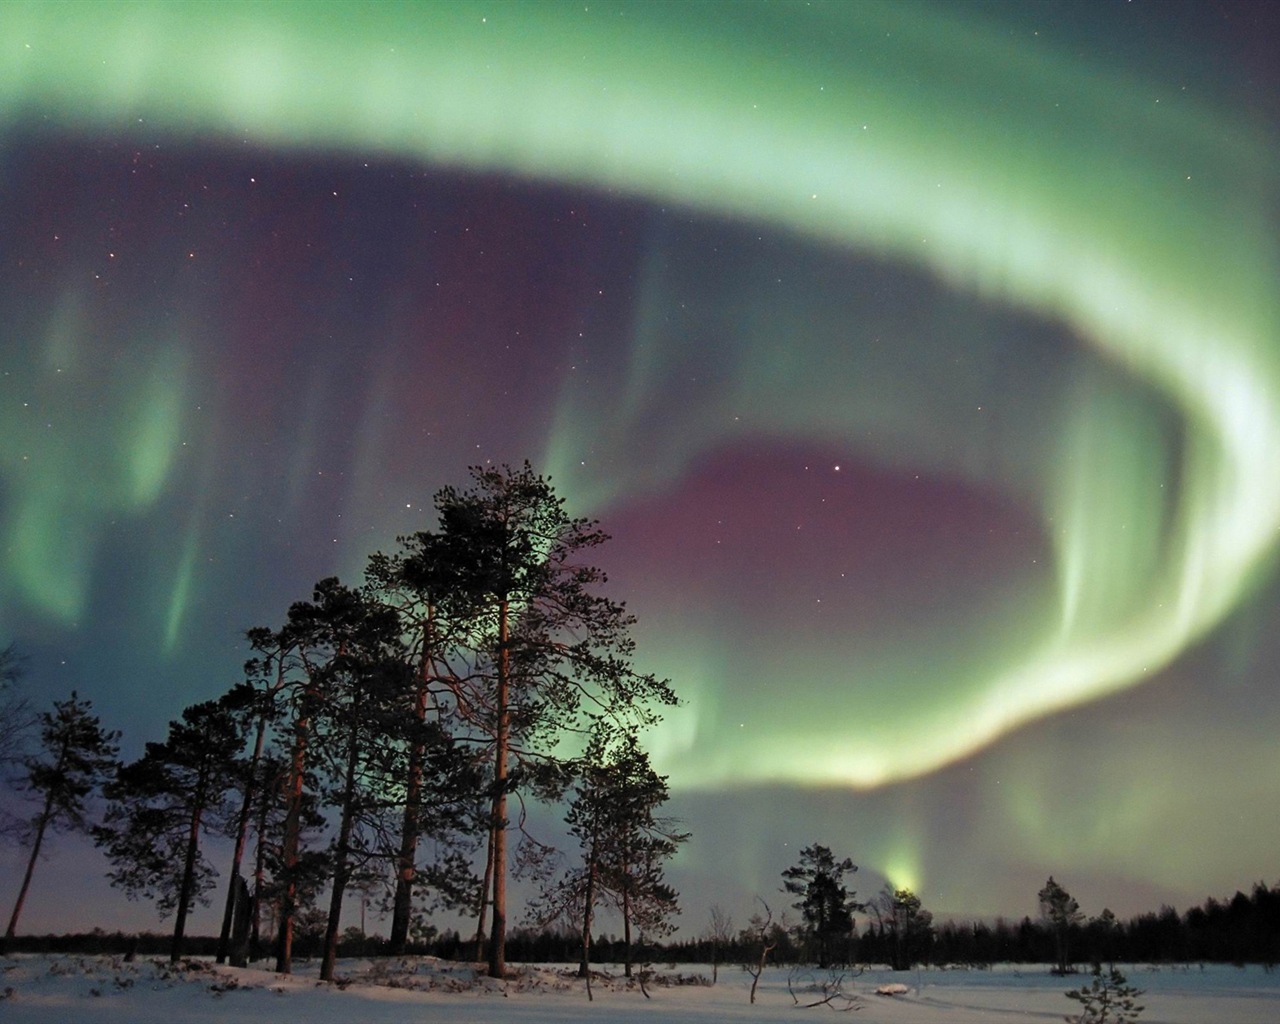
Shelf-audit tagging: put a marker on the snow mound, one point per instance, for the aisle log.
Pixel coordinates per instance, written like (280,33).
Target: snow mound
(895,988)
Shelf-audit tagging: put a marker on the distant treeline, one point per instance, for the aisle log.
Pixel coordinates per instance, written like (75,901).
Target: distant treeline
(1242,930)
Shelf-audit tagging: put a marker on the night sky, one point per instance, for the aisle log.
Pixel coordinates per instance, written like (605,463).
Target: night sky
(922,360)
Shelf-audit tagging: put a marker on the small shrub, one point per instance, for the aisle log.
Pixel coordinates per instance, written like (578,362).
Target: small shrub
(1109,999)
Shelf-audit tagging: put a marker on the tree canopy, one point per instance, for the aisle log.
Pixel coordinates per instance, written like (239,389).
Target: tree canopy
(825,905)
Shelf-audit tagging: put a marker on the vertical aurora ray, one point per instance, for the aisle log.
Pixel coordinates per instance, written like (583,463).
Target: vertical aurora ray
(91,434)
(1120,212)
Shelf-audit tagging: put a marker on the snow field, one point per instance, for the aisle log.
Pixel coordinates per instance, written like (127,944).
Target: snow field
(40,989)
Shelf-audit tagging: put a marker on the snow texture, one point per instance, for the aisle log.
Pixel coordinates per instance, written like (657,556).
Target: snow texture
(38,989)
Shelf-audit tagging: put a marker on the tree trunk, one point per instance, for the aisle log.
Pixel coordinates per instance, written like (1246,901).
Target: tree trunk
(259,876)
(42,823)
(626,926)
(406,874)
(498,933)
(342,850)
(329,955)
(406,860)
(289,848)
(185,891)
(242,835)
(242,905)
(484,894)
(588,908)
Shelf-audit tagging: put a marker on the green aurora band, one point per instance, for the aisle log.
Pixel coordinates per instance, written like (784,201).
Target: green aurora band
(1127,214)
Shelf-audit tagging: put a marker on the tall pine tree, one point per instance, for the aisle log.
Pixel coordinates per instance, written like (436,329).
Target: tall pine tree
(76,756)
(164,802)
(418,582)
(622,841)
(552,652)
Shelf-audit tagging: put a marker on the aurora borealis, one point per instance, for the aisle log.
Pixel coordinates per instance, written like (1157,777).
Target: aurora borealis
(922,360)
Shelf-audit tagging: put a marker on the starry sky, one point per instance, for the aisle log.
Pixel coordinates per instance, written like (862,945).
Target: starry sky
(922,360)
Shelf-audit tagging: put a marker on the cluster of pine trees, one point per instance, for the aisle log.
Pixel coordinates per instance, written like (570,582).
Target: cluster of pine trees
(388,735)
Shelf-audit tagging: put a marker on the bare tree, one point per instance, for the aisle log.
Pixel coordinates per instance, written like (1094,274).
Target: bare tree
(761,937)
(905,923)
(719,932)
(825,990)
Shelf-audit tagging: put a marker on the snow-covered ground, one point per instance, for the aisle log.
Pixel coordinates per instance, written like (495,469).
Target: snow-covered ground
(60,989)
